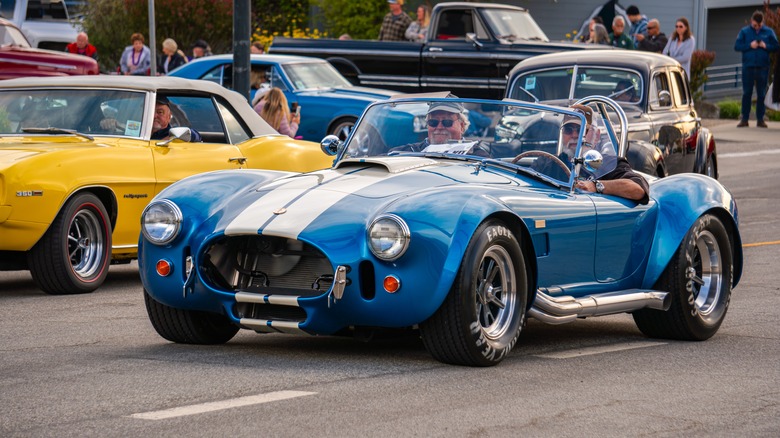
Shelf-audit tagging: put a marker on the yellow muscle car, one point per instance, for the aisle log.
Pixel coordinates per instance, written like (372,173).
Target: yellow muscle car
(78,165)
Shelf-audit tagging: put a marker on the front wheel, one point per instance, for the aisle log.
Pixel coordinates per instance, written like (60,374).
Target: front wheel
(188,326)
(73,255)
(484,312)
(342,127)
(699,279)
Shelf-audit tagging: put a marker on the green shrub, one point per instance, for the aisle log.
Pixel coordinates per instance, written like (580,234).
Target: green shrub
(730,109)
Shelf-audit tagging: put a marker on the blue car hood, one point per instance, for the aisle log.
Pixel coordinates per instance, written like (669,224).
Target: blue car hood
(353,192)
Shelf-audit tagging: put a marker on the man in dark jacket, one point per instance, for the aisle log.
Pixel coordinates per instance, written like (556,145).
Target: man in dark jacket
(655,41)
(756,42)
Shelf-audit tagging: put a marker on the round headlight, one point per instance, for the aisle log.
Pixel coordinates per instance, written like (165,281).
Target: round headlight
(388,237)
(161,222)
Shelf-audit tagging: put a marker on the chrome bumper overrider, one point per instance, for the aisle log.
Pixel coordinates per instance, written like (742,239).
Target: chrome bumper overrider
(561,310)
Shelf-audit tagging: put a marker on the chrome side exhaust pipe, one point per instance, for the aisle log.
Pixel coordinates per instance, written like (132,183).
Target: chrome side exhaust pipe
(565,309)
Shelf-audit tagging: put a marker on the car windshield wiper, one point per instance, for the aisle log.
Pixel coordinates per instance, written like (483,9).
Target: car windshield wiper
(522,169)
(58,131)
(621,92)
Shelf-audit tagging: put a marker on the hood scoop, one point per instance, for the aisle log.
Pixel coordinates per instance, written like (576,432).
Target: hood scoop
(392,164)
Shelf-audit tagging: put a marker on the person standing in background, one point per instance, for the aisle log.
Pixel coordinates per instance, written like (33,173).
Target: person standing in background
(655,40)
(756,42)
(172,56)
(681,45)
(200,48)
(638,24)
(275,110)
(256,48)
(137,58)
(618,37)
(82,46)
(395,23)
(418,30)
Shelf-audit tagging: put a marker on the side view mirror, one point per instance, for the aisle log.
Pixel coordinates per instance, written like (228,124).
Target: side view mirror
(471,37)
(592,160)
(182,133)
(664,98)
(330,145)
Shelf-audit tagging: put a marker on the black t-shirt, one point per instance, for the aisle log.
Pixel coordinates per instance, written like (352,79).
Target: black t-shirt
(623,170)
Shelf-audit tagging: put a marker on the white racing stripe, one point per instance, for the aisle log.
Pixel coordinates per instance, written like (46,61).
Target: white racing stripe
(220,405)
(315,198)
(589,351)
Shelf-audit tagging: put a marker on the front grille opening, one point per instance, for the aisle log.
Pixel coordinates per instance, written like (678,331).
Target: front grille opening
(267,265)
(367,280)
(271,312)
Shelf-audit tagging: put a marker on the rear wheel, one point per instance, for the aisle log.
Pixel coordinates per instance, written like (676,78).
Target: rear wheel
(699,279)
(484,312)
(73,255)
(188,326)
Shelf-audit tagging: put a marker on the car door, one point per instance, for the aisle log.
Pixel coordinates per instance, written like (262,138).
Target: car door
(178,159)
(623,238)
(448,55)
(665,118)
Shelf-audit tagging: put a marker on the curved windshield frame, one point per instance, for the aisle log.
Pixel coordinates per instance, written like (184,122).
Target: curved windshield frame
(624,86)
(537,139)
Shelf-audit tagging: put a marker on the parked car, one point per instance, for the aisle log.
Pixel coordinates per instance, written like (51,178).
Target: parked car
(72,188)
(652,89)
(329,103)
(468,50)
(464,239)
(18,59)
(47,24)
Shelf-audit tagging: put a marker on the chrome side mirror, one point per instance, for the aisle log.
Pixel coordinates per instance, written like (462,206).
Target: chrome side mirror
(664,98)
(182,133)
(330,145)
(471,37)
(592,160)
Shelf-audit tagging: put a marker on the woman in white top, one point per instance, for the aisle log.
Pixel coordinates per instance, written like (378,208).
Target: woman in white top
(681,45)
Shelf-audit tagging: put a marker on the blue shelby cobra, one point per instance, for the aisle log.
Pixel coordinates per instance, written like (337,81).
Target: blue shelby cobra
(461,238)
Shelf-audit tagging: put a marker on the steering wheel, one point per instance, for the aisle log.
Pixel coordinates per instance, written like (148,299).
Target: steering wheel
(543,154)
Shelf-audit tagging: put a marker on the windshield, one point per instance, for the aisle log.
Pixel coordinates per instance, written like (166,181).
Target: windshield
(540,139)
(314,75)
(12,36)
(79,110)
(555,84)
(513,25)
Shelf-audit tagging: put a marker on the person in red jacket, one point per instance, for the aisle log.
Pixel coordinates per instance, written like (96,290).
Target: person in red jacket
(82,46)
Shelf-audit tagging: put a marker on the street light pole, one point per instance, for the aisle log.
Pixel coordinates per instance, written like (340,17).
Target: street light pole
(241,36)
(152,40)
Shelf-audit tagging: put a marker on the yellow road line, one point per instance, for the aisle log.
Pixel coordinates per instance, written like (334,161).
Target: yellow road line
(748,245)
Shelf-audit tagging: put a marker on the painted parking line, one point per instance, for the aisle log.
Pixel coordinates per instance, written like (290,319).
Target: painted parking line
(749,154)
(220,405)
(589,351)
(748,245)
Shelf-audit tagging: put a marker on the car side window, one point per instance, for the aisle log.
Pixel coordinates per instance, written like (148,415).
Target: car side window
(237,132)
(455,24)
(680,90)
(216,75)
(199,113)
(660,91)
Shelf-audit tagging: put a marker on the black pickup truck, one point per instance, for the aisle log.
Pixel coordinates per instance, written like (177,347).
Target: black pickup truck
(470,49)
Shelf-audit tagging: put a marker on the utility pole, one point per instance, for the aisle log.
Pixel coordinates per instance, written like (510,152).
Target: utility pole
(241,35)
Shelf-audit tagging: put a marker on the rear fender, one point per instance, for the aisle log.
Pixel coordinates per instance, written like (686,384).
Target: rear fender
(705,146)
(682,199)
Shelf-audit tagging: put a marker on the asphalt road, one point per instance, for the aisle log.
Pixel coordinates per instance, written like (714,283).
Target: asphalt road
(91,365)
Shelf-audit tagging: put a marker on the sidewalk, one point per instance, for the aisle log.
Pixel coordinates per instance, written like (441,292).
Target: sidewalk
(725,130)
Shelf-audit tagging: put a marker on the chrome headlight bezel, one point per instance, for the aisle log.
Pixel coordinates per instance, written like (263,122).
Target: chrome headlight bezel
(396,237)
(161,232)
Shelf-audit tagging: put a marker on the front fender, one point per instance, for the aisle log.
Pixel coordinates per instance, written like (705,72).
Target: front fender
(450,220)
(682,199)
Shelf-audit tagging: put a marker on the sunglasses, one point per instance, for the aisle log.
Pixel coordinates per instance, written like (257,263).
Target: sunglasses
(447,123)
(570,129)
